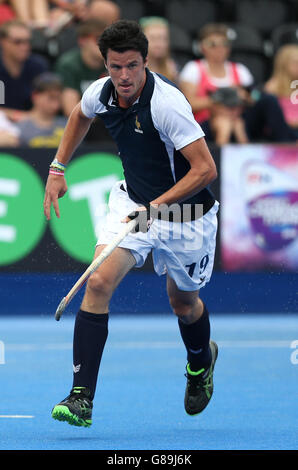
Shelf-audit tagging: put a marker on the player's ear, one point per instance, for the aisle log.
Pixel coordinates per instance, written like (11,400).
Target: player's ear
(146,62)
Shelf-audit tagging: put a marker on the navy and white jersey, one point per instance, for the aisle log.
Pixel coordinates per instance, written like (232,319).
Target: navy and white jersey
(149,135)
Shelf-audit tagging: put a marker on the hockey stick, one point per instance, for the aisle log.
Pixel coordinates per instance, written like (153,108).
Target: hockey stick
(129,226)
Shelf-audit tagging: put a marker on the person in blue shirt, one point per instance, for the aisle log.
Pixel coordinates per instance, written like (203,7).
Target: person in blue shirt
(18,68)
(166,164)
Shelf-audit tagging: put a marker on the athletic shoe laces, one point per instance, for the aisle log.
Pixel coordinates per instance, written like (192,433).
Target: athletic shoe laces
(80,396)
(201,381)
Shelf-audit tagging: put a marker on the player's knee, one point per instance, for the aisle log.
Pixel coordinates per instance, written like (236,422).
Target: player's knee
(99,285)
(180,308)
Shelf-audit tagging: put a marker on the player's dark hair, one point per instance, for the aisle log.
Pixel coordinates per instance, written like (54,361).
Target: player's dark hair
(121,36)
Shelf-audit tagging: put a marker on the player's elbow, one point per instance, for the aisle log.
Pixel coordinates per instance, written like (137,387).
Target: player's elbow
(212,172)
(208,173)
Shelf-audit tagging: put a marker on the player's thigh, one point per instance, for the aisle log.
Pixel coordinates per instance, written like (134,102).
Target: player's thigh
(110,273)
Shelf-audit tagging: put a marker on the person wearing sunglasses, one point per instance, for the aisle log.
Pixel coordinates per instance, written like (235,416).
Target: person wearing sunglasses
(254,116)
(199,79)
(18,68)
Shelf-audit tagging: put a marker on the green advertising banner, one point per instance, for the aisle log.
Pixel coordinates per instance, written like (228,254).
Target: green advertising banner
(22,222)
(28,242)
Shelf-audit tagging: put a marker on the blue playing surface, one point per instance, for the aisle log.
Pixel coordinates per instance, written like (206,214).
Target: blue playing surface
(139,399)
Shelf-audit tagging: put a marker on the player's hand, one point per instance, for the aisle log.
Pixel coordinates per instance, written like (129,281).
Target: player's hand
(144,218)
(56,187)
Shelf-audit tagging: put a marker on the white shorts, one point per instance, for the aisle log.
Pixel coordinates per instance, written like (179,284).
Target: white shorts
(185,251)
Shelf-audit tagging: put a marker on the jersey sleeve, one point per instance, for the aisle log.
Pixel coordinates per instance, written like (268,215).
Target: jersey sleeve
(173,118)
(90,103)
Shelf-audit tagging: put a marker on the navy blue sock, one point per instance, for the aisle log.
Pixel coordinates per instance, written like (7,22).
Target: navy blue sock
(90,334)
(196,337)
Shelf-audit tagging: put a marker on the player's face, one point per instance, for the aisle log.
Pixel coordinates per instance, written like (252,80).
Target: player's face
(127,72)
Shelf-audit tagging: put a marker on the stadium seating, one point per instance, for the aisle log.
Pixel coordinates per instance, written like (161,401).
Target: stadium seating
(263,15)
(191,15)
(284,34)
(248,48)
(257,28)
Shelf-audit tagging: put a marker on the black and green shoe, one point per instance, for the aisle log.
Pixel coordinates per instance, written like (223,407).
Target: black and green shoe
(76,409)
(199,386)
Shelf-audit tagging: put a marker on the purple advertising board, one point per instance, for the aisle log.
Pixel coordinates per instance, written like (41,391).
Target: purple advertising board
(259,208)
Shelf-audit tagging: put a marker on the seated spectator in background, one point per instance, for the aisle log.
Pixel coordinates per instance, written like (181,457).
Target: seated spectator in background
(43,127)
(34,13)
(6,12)
(285,72)
(9,132)
(64,12)
(159,59)
(18,68)
(79,67)
(256,117)
(104,10)
(199,79)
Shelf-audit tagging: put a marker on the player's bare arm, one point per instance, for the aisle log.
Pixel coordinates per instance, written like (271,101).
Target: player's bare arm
(75,130)
(202,172)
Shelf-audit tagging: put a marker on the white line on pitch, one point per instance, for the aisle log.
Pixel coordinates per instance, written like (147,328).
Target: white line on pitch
(153,345)
(16,416)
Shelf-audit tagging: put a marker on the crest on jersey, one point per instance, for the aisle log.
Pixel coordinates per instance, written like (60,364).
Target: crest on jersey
(138,126)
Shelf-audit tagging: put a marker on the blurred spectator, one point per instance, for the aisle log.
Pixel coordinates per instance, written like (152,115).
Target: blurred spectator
(159,59)
(42,126)
(76,8)
(79,67)
(6,12)
(18,68)
(199,79)
(104,10)
(34,13)
(282,83)
(241,113)
(9,132)
(64,12)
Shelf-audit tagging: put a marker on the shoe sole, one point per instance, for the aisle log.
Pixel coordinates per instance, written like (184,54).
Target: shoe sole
(215,347)
(62,413)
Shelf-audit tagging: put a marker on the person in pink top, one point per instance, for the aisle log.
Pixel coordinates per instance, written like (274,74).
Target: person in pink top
(220,93)
(199,79)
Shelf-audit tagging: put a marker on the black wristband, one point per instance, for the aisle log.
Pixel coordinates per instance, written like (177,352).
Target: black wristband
(144,219)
